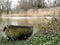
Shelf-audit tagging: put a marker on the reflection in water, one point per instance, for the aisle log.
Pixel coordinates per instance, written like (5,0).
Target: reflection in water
(17,20)
(11,21)
(25,17)
(5,22)
(14,23)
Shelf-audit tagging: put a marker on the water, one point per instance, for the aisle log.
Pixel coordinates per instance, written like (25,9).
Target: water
(4,21)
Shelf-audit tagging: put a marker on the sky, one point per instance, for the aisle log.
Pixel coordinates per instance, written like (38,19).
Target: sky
(14,3)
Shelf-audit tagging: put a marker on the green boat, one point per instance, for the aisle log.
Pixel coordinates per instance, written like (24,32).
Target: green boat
(18,32)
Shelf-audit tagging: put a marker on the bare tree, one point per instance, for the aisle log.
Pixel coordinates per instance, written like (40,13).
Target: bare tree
(8,6)
(58,3)
(5,6)
(52,3)
(40,3)
(27,4)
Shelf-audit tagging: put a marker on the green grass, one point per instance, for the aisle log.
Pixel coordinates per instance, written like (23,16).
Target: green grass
(40,39)
(49,34)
